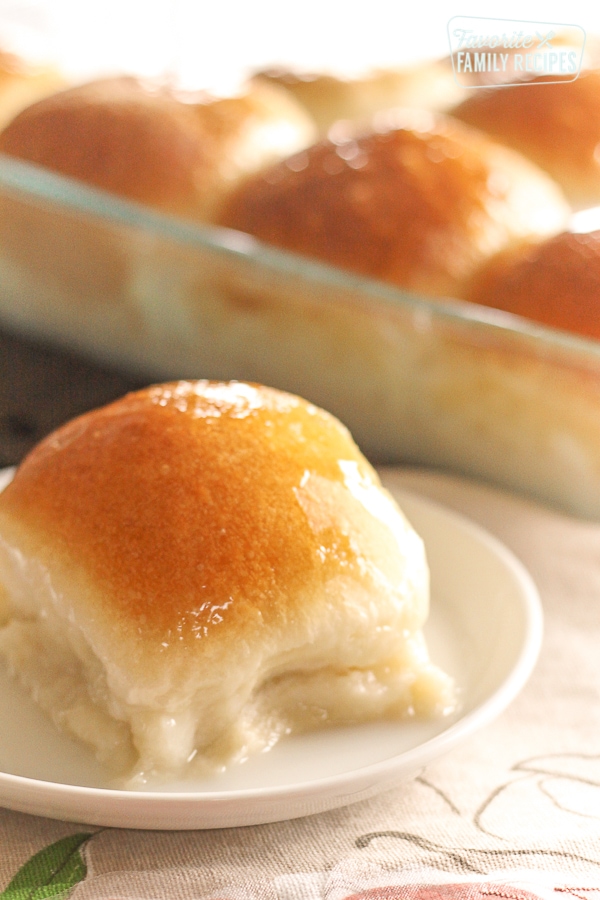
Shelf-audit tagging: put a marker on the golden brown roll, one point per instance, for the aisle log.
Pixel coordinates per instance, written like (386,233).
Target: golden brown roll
(199,568)
(420,202)
(22,83)
(555,282)
(557,125)
(178,153)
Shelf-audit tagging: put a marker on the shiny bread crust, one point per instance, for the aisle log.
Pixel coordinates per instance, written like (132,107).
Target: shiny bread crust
(556,125)
(180,503)
(554,282)
(179,153)
(419,202)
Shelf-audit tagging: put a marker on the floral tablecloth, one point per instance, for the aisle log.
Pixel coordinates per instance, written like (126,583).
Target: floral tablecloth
(513,813)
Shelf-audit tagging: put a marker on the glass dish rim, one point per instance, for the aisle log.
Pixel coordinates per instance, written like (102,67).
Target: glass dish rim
(36,184)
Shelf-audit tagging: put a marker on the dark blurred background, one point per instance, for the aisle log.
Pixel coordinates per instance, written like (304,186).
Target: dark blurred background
(41,387)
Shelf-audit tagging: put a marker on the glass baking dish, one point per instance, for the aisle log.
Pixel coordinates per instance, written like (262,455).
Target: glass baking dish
(435,383)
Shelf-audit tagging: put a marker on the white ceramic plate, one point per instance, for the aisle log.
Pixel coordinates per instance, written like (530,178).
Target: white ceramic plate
(485,628)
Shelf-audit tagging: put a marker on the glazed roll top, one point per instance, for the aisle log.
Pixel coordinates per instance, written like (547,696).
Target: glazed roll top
(420,201)
(555,124)
(180,153)
(554,282)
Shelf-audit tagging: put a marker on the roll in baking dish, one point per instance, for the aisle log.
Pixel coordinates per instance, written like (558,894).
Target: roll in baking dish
(419,201)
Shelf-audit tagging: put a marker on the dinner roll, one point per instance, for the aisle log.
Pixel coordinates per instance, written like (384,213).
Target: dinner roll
(555,282)
(557,125)
(419,202)
(328,98)
(178,153)
(200,568)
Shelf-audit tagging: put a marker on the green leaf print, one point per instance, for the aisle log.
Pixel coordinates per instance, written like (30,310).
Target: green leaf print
(53,872)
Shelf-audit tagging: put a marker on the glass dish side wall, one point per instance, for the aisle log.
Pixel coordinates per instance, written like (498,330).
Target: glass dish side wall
(443,384)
